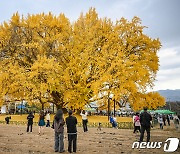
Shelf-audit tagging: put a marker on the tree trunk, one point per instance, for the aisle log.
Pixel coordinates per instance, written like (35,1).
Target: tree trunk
(58,106)
(42,107)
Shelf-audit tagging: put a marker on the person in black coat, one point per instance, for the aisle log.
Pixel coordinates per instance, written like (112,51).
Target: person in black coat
(145,120)
(168,119)
(30,121)
(71,122)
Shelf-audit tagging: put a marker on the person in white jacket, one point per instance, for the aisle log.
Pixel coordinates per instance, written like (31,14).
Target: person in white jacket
(160,120)
(84,120)
(48,120)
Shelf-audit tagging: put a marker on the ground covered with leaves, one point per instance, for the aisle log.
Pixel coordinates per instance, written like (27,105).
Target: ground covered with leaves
(94,118)
(15,140)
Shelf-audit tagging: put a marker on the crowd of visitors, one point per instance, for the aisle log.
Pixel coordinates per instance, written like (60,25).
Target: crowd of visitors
(142,122)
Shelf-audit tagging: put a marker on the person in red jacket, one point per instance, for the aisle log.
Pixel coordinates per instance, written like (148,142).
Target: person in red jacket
(137,123)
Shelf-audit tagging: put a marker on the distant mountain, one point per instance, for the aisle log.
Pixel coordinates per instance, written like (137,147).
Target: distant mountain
(171,95)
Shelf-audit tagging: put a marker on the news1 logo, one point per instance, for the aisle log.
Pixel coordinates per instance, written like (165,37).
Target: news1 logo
(170,145)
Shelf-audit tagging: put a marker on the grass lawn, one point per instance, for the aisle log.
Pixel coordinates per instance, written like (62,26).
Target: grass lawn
(90,118)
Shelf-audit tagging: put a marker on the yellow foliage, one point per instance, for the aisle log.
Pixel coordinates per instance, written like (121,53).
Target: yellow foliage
(46,57)
(151,100)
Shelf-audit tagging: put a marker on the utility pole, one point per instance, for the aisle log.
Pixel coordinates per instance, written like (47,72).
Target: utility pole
(108,107)
(114,107)
(53,107)
(21,106)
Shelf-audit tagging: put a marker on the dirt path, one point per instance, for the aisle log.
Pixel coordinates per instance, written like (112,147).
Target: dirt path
(15,140)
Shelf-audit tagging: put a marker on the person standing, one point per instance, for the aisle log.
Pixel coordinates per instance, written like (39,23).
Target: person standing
(145,120)
(84,120)
(134,121)
(168,119)
(164,120)
(178,116)
(58,125)
(176,121)
(137,123)
(48,120)
(30,118)
(71,122)
(160,121)
(41,122)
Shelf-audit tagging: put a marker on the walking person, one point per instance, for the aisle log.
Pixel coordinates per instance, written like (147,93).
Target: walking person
(84,120)
(71,122)
(41,122)
(58,125)
(30,118)
(145,120)
(137,123)
(160,121)
(48,119)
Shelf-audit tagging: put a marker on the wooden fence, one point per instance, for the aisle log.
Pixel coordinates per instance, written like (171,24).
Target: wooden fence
(120,125)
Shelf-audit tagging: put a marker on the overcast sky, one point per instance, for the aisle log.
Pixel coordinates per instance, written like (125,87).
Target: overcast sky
(160,16)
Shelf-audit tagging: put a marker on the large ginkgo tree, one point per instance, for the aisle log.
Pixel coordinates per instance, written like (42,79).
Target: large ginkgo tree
(47,58)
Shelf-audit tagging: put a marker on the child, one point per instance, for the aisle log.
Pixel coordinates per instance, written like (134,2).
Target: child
(99,126)
(137,123)
(7,119)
